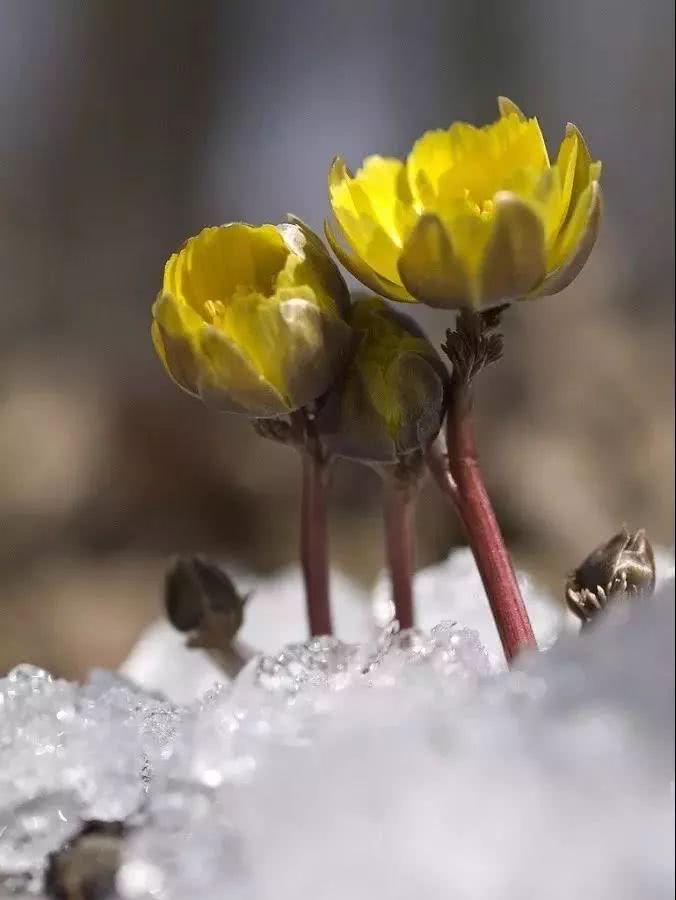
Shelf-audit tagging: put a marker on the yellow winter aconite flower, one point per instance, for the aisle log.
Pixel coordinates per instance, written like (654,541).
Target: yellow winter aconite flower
(251,318)
(473,217)
(390,400)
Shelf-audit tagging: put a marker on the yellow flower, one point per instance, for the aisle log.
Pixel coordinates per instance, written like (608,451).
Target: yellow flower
(251,318)
(390,400)
(474,216)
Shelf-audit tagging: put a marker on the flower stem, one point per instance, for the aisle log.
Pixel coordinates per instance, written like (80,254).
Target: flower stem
(482,529)
(314,552)
(399,515)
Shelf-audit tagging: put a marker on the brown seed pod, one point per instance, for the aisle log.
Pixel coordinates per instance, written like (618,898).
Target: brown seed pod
(200,598)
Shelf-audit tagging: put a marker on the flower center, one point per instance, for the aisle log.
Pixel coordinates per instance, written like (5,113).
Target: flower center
(483,208)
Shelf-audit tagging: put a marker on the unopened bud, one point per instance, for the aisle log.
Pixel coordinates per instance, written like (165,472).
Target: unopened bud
(622,567)
(390,401)
(201,599)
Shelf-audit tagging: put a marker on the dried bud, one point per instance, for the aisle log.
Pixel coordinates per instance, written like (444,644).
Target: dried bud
(200,598)
(390,401)
(622,567)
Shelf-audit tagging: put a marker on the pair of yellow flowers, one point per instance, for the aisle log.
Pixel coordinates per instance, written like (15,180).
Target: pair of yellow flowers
(258,320)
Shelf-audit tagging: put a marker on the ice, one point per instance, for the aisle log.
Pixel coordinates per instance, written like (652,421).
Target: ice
(403,765)
(448,650)
(69,753)
(31,830)
(322,662)
(452,589)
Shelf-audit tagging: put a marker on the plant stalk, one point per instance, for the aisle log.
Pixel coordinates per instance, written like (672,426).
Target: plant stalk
(399,514)
(314,551)
(483,531)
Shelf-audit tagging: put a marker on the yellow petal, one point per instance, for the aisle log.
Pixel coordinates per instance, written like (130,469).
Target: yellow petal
(373,209)
(485,158)
(214,263)
(316,347)
(473,163)
(364,273)
(586,170)
(585,224)
(381,188)
(514,261)
(507,107)
(468,232)
(316,269)
(566,163)
(430,269)
(174,331)
(231,383)
(253,322)
(177,356)
(541,191)
(573,229)
(287,340)
(429,158)
(156,337)
(176,318)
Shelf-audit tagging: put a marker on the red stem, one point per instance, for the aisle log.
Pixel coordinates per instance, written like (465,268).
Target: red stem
(482,529)
(400,546)
(314,551)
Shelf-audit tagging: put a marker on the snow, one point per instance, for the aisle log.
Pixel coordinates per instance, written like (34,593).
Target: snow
(390,765)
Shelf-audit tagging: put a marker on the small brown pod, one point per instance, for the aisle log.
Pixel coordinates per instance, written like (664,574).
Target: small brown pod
(622,567)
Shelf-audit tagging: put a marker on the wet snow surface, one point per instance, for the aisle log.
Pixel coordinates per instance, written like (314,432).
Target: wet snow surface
(398,765)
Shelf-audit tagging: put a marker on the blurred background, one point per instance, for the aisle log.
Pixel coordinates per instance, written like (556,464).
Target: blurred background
(126,127)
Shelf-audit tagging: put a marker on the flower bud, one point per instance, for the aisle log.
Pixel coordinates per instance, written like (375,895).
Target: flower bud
(622,567)
(200,598)
(390,400)
(250,319)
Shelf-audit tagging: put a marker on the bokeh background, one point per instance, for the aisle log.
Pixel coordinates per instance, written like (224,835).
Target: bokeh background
(125,127)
